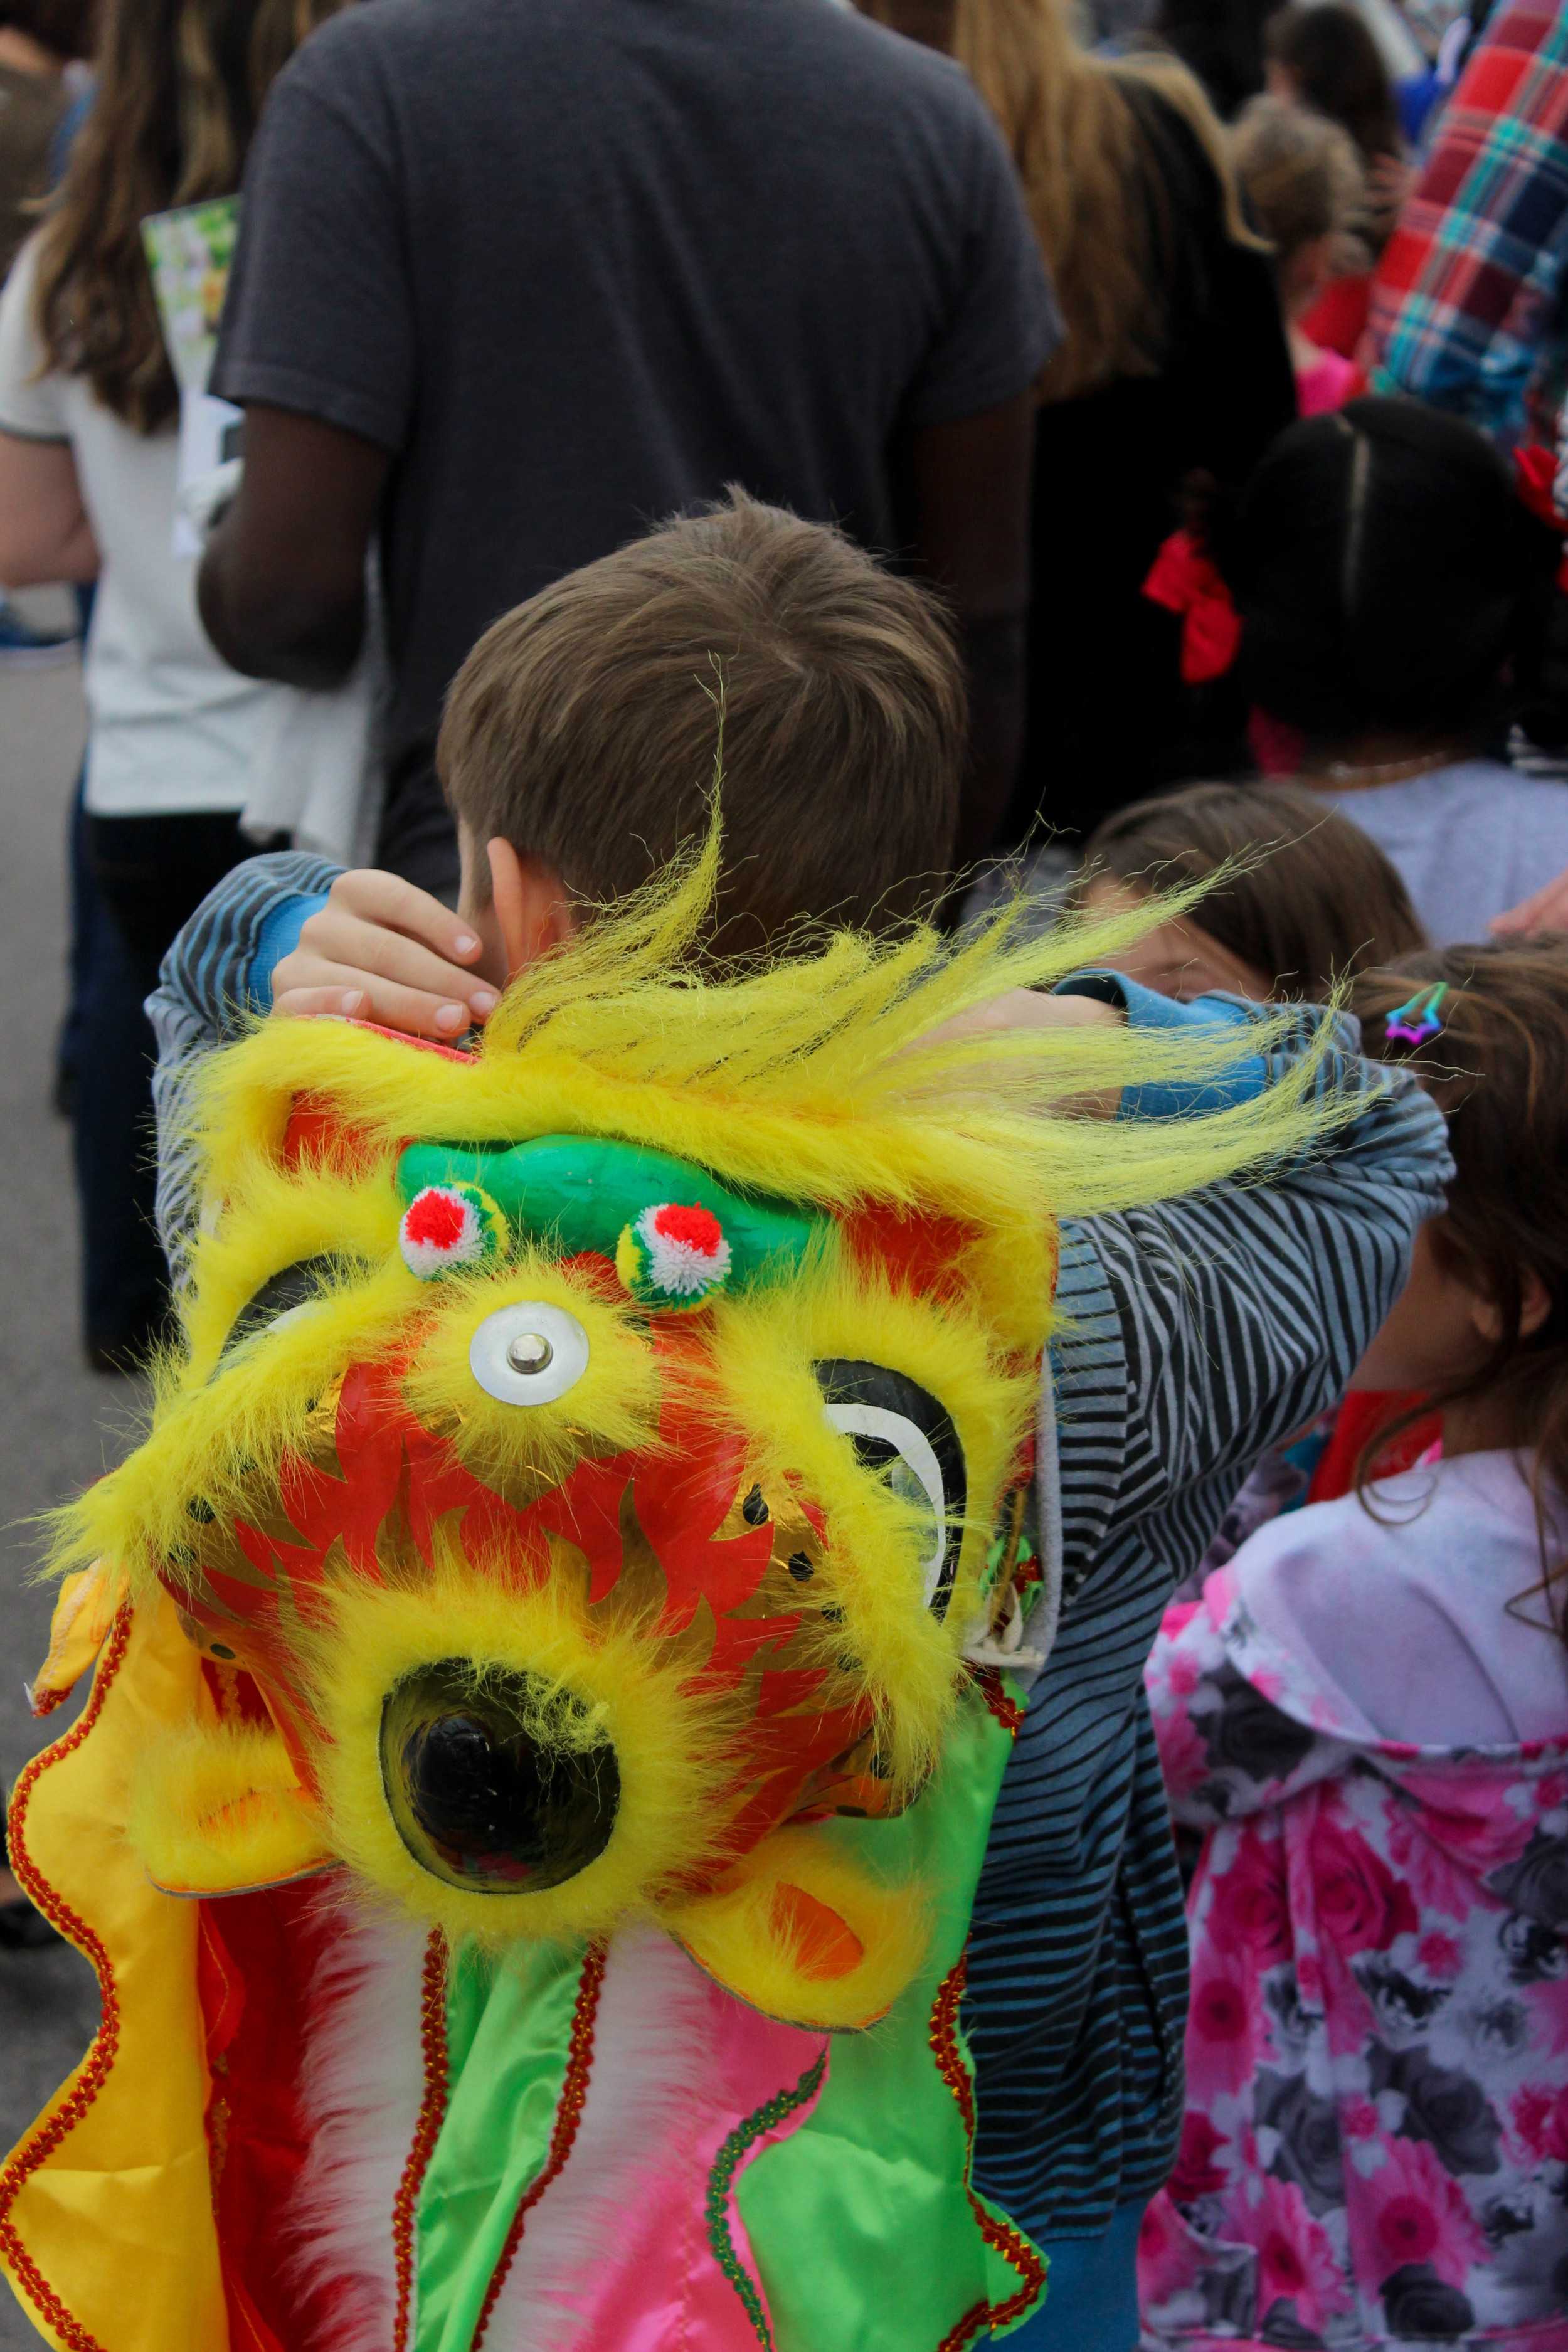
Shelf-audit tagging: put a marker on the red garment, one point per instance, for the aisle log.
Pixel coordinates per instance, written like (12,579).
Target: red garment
(1277,748)
(1468,306)
(257,1958)
(1337,319)
(1361,1413)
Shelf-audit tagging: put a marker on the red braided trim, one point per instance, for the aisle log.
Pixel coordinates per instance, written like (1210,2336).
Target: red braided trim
(1008,1712)
(975,2322)
(99,2059)
(432,2113)
(568,2116)
(1000,2235)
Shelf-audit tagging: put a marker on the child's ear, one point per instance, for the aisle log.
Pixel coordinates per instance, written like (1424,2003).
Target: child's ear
(532,910)
(1534,1307)
(1534,1304)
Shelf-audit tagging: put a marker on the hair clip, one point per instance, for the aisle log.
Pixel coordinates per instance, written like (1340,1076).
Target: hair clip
(1420,1017)
(1185,580)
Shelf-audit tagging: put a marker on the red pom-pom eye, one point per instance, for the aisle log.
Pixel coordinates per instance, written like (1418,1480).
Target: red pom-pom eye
(436,1219)
(698,1229)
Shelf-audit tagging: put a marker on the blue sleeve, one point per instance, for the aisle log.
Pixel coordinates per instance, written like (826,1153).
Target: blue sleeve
(279,937)
(219,969)
(216,976)
(1146,1010)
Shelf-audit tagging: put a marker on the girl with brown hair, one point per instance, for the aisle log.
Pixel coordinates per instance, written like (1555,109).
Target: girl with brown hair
(1367,1715)
(1174,360)
(1304,183)
(1302,898)
(88,456)
(1323,59)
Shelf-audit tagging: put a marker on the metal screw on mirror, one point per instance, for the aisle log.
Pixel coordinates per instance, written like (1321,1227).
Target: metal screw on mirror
(531,1351)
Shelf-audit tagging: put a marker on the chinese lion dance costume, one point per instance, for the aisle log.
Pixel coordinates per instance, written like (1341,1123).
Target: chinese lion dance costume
(550,1670)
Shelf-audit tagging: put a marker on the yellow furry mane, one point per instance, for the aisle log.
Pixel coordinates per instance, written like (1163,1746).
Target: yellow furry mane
(838,1074)
(750,1594)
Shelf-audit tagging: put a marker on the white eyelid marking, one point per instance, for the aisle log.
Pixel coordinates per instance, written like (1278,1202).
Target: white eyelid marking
(911,1444)
(290,1315)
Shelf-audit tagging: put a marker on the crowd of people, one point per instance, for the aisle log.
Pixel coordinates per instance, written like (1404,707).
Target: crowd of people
(1110,459)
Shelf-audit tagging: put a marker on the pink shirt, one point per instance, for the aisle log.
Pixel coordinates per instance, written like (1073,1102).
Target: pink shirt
(1328,383)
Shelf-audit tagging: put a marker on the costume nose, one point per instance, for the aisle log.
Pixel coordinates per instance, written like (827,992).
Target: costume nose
(496,1781)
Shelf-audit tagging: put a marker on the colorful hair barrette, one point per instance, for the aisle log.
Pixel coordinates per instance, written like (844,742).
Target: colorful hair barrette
(1420,1017)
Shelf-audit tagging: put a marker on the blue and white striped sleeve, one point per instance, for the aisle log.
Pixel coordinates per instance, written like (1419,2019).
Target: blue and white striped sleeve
(1243,1308)
(214,978)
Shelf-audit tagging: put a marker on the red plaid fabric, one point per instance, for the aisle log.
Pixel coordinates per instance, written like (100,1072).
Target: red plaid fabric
(1467,308)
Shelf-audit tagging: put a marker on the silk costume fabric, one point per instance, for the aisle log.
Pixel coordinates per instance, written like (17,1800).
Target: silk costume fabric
(870,2173)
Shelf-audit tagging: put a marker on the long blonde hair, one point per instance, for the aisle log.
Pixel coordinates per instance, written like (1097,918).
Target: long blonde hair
(180,86)
(1096,197)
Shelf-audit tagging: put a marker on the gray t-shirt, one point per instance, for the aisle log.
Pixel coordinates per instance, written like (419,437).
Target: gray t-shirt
(580,264)
(1469,841)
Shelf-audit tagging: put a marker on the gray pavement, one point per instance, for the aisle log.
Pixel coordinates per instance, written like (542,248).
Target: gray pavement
(59,1424)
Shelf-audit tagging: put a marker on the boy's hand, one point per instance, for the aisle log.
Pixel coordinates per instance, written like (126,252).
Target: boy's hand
(380,950)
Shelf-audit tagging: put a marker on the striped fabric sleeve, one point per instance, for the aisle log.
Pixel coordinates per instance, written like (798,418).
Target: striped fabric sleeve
(1467,310)
(1244,1308)
(1197,1334)
(203,999)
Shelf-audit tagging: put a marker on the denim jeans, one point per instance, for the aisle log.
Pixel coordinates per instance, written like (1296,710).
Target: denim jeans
(1091,2301)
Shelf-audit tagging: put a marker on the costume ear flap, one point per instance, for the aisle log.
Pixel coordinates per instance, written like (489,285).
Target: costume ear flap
(797,1932)
(220,1811)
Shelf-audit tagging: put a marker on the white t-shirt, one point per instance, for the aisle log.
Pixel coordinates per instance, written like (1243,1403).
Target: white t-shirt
(172,727)
(1469,841)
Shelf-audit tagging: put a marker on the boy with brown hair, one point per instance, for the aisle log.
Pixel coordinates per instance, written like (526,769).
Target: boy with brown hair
(576,752)
(577,755)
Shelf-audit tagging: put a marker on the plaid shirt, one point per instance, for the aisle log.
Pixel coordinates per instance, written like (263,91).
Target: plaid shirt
(1469,310)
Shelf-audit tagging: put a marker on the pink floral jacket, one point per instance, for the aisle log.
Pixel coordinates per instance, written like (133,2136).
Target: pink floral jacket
(1376,2144)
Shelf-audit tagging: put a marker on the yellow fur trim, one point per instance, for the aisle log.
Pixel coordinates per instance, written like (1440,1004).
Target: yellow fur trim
(831,1077)
(219,1810)
(216,1444)
(521,1449)
(815,1077)
(754,1944)
(273,1219)
(628,1258)
(669,1749)
(764,1346)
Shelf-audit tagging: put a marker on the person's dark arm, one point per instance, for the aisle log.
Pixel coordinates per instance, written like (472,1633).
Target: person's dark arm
(281,589)
(969,488)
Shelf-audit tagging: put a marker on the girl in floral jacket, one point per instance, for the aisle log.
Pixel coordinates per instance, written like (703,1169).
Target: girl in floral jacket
(1367,1712)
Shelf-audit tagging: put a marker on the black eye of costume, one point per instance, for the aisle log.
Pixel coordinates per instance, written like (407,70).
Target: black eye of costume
(895,1425)
(282,1294)
(483,1796)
